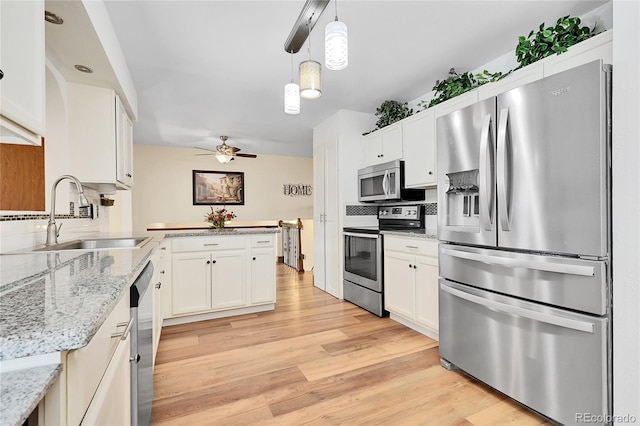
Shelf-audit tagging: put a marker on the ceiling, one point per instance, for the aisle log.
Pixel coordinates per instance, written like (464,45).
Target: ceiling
(203,69)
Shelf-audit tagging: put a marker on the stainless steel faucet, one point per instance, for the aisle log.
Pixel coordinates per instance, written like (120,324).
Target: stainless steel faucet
(52,230)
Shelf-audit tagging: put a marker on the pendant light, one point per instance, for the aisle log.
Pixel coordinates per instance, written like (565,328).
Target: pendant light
(292,95)
(310,75)
(336,44)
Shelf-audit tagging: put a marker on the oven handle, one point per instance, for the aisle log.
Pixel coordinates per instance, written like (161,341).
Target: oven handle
(351,234)
(587,327)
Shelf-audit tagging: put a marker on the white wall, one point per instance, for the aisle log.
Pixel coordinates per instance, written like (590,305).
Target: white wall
(163,186)
(626,210)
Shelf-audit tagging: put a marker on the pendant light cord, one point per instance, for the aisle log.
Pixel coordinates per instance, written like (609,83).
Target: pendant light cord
(335,3)
(291,65)
(309,37)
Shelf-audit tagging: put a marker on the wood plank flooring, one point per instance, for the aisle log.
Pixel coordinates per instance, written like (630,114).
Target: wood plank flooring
(315,360)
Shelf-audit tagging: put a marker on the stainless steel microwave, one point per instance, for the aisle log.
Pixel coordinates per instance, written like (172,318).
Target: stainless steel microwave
(385,182)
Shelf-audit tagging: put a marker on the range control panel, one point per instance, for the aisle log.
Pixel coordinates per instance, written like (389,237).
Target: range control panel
(411,212)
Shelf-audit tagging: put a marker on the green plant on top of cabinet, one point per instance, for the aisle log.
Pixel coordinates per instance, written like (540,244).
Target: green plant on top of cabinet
(100,137)
(22,58)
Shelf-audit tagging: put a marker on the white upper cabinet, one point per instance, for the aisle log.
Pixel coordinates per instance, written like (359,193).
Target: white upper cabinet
(22,61)
(419,148)
(384,145)
(597,47)
(517,78)
(456,103)
(99,137)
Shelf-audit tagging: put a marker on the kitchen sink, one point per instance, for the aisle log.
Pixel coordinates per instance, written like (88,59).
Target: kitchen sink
(98,244)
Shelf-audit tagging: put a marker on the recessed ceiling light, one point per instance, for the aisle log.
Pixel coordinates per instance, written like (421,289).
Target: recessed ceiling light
(52,18)
(82,68)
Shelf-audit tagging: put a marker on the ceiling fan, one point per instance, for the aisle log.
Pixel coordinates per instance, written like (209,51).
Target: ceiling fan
(225,153)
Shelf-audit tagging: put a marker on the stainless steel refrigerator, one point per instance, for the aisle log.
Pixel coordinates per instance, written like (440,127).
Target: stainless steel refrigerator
(524,211)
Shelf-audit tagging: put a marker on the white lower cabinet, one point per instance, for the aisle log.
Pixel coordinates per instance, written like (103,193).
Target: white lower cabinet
(158,281)
(97,375)
(221,274)
(411,282)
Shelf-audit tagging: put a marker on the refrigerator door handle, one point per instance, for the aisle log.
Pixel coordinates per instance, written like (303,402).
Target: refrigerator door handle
(501,170)
(586,327)
(486,189)
(560,268)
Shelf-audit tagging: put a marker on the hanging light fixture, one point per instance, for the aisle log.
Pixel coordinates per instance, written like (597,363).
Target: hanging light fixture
(292,95)
(336,44)
(310,75)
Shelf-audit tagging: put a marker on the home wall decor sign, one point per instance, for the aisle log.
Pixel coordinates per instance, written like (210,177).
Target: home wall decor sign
(297,190)
(213,188)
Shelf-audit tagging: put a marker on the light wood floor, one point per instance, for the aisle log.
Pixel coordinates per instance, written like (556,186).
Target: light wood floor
(315,360)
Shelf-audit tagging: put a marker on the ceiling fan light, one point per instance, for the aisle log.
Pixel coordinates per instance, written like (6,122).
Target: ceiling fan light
(292,99)
(336,45)
(224,158)
(310,79)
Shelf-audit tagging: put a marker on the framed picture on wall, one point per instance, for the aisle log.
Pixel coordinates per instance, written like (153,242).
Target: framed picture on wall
(213,188)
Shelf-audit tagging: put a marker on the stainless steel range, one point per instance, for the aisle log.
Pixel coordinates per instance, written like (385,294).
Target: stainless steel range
(363,266)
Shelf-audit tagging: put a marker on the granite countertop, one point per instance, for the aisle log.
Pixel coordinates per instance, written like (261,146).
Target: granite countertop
(428,234)
(222,232)
(234,225)
(23,389)
(52,302)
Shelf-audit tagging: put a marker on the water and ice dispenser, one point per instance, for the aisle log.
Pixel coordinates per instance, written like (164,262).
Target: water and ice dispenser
(463,199)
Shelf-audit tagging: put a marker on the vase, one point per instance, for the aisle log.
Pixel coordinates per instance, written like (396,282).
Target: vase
(218,224)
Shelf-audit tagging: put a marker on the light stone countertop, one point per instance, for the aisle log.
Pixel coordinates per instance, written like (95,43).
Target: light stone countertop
(22,390)
(427,234)
(52,302)
(220,232)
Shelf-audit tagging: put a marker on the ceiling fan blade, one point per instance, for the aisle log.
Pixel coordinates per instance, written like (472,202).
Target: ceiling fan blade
(246,155)
(205,149)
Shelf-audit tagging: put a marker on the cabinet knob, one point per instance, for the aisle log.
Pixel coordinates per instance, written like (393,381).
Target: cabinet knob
(129,175)
(162,272)
(430,172)
(158,285)
(214,261)
(208,262)
(415,267)
(410,266)
(254,258)
(1,74)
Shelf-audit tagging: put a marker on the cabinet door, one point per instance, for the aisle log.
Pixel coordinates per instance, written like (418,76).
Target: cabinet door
(399,284)
(22,58)
(419,148)
(263,272)
(391,142)
(191,283)
(111,404)
(124,146)
(373,148)
(228,279)
(427,291)
(157,282)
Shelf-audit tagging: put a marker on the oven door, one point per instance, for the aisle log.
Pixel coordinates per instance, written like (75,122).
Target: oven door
(363,260)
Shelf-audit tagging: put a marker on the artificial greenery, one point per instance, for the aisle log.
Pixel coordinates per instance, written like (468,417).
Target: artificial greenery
(551,40)
(391,111)
(456,84)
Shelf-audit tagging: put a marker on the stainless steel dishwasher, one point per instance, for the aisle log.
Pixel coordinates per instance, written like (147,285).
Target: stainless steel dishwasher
(142,348)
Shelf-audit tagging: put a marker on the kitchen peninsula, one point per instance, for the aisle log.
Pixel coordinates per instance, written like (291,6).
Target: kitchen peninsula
(213,273)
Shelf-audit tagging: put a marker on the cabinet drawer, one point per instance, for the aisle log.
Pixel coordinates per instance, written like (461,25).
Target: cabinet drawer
(411,245)
(85,366)
(207,243)
(265,240)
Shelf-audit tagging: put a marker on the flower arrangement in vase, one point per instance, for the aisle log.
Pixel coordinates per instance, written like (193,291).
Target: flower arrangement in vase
(218,217)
